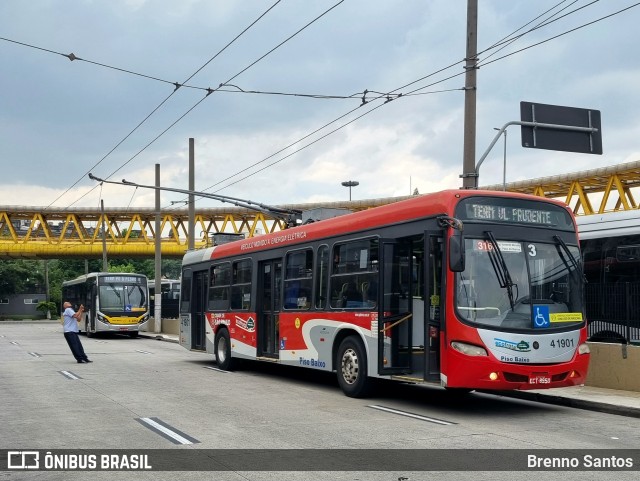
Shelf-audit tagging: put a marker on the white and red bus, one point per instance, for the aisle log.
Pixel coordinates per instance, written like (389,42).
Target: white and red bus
(466,289)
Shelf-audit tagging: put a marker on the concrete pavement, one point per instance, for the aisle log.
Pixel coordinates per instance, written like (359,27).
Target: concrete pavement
(623,403)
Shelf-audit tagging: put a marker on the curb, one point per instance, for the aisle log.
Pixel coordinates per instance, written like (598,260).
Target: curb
(597,406)
(158,337)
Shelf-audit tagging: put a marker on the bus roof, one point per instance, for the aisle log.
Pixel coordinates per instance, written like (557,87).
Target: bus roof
(427,205)
(609,224)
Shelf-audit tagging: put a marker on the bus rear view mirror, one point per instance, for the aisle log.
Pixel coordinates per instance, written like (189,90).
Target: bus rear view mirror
(456,253)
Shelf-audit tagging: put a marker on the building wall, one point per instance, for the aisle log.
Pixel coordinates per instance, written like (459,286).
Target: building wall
(17,306)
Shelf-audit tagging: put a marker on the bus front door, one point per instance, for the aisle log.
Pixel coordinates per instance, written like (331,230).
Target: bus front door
(395,311)
(268,307)
(198,310)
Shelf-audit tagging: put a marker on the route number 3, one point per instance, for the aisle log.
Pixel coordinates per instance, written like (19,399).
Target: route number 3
(532,250)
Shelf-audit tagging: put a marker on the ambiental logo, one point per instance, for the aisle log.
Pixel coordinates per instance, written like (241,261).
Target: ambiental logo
(521,346)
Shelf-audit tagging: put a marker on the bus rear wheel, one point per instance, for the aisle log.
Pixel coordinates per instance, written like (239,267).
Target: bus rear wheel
(222,350)
(351,367)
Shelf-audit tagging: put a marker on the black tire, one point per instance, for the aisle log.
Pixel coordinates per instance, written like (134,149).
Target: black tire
(222,350)
(351,368)
(133,334)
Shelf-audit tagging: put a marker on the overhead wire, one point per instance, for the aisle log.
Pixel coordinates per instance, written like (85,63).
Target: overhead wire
(413,92)
(184,83)
(160,105)
(508,38)
(213,90)
(562,34)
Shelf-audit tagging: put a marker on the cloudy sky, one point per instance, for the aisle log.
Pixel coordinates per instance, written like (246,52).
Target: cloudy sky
(60,119)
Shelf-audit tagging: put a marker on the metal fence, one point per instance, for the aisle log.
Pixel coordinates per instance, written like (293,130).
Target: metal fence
(613,312)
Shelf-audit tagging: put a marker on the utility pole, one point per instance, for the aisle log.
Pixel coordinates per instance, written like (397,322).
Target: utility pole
(192,198)
(157,299)
(469,176)
(105,264)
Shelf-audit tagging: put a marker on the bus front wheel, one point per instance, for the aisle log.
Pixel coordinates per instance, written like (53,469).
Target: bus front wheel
(222,350)
(351,367)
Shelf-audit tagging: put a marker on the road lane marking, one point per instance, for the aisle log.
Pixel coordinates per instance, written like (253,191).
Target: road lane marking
(15,343)
(69,375)
(34,354)
(143,352)
(166,431)
(411,415)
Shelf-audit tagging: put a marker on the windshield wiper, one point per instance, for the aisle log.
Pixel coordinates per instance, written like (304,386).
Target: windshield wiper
(568,253)
(500,267)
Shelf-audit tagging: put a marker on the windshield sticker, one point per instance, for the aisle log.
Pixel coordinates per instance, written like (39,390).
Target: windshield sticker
(510,246)
(483,245)
(541,317)
(565,317)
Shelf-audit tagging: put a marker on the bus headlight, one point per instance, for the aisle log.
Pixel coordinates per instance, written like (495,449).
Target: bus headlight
(583,349)
(468,349)
(101,318)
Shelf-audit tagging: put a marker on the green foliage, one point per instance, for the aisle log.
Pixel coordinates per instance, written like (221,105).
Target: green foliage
(23,276)
(20,276)
(47,306)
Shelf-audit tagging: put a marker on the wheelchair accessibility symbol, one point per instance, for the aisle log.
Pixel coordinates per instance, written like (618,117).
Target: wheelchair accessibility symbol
(541,316)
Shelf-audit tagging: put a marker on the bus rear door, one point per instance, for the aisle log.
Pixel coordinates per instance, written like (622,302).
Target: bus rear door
(198,310)
(268,308)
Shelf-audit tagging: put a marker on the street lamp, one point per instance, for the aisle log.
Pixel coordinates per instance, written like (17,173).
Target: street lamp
(504,168)
(350,183)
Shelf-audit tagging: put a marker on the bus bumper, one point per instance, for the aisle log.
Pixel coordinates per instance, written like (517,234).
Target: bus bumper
(475,372)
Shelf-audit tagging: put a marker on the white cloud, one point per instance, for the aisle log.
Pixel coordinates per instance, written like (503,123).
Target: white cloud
(61,117)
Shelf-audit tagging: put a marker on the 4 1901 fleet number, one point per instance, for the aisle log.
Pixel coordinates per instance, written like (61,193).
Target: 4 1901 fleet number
(562,343)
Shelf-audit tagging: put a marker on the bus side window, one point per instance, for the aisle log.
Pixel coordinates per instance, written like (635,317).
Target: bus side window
(219,289)
(241,285)
(298,279)
(185,292)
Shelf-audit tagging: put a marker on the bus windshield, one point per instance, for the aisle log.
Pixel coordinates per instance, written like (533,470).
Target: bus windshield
(119,297)
(520,285)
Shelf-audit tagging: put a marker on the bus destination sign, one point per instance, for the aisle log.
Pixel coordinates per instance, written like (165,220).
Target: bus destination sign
(124,279)
(518,215)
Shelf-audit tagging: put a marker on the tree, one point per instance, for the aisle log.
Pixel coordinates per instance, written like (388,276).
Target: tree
(47,308)
(20,276)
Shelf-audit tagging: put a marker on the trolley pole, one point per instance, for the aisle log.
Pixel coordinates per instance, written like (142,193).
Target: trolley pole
(469,175)
(157,299)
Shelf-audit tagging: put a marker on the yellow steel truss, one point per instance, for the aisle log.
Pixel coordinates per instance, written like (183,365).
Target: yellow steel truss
(609,188)
(55,233)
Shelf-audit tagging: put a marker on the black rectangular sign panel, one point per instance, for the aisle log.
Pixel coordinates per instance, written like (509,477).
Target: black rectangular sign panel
(560,139)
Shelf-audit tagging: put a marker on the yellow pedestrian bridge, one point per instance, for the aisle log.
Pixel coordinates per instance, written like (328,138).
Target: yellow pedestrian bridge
(45,233)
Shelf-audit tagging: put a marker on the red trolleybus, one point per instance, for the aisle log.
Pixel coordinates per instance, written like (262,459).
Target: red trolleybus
(466,289)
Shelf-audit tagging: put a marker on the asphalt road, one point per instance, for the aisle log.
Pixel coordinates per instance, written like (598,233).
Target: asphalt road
(148,394)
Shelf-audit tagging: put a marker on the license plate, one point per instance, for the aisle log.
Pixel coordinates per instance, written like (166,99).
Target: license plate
(539,378)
